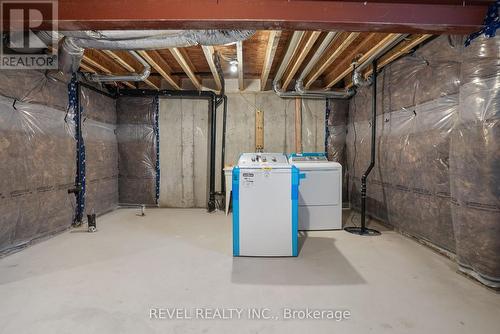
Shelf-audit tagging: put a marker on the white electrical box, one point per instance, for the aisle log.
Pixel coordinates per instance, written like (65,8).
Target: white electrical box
(265,206)
(320,193)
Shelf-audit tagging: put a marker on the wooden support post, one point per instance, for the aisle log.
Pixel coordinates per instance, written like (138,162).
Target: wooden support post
(259,131)
(298,125)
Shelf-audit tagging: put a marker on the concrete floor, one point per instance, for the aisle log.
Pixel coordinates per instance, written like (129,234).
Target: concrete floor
(108,281)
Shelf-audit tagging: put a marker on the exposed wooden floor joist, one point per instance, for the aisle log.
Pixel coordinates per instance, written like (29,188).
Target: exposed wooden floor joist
(183,60)
(272,45)
(319,59)
(157,62)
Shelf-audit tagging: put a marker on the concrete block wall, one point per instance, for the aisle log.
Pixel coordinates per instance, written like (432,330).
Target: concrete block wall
(184,152)
(279,124)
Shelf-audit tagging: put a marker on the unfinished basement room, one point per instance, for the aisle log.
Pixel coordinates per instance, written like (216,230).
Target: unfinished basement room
(250,166)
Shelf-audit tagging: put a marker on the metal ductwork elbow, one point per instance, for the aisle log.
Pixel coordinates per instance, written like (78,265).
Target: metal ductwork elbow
(130,77)
(70,56)
(358,80)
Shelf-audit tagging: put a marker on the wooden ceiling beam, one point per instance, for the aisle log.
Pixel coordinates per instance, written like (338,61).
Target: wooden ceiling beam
(272,45)
(209,52)
(95,64)
(330,57)
(120,61)
(186,65)
(160,65)
(308,40)
(86,68)
(346,66)
(402,49)
(239,56)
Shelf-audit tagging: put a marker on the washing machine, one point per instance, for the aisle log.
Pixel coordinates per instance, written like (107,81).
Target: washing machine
(320,193)
(265,206)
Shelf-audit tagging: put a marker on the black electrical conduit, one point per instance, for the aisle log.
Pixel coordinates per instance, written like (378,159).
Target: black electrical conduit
(363,230)
(191,94)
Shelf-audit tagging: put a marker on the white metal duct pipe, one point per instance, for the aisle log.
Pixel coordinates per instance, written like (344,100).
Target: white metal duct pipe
(154,39)
(321,94)
(294,41)
(358,79)
(75,42)
(317,56)
(131,77)
(70,56)
(299,88)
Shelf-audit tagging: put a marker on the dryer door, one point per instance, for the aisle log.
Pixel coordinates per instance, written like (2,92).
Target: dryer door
(320,187)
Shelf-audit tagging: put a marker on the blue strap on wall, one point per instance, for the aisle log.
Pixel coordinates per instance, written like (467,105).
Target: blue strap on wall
(156,103)
(236,211)
(295,210)
(327,128)
(74,105)
(491,23)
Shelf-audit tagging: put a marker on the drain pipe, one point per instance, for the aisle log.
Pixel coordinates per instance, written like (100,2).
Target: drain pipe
(213,141)
(363,230)
(223,153)
(372,152)
(130,77)
(222,99)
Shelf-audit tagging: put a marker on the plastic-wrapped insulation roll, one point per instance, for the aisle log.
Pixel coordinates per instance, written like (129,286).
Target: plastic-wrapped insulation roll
(475,163)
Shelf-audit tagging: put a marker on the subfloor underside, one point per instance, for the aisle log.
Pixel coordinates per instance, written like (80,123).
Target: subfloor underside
(108,282)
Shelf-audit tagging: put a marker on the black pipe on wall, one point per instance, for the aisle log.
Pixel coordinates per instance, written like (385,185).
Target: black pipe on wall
(372,152)
(223,152)
(363,230)
(213,140)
